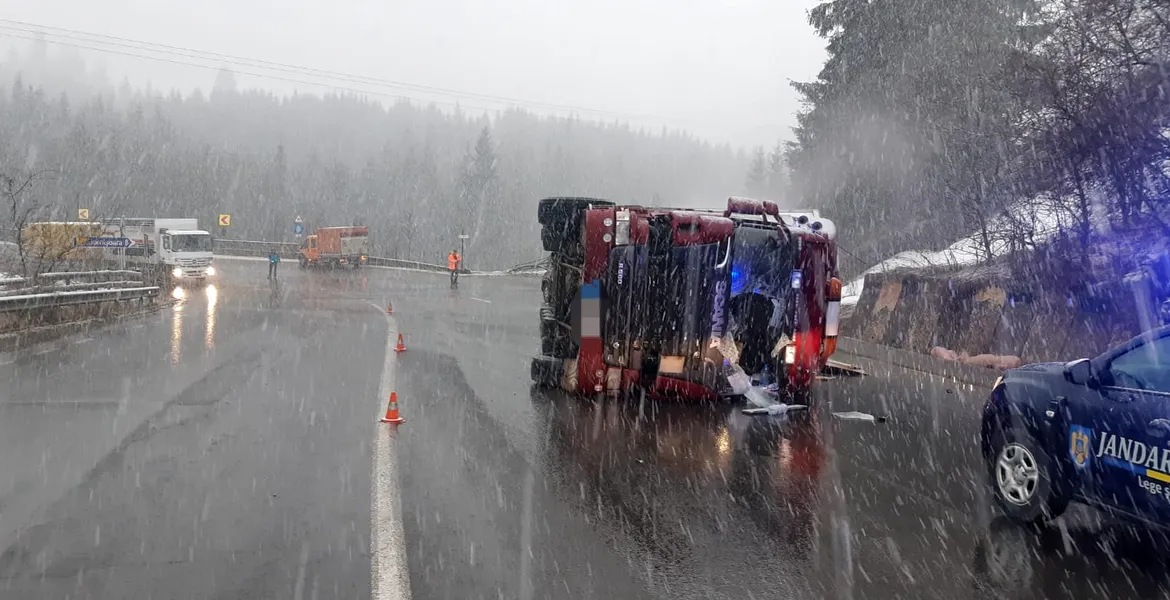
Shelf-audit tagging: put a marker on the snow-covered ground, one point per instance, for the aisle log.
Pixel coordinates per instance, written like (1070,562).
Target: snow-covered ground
(967,251)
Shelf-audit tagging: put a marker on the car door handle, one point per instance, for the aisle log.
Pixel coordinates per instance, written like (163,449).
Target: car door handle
(1158,428)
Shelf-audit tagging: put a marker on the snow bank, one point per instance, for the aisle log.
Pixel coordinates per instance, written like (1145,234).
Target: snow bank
(1045,221)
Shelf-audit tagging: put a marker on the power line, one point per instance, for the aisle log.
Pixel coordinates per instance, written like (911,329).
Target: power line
(261,75)
(184,52)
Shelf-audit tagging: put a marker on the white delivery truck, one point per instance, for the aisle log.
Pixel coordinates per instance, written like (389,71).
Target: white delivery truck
(175,250)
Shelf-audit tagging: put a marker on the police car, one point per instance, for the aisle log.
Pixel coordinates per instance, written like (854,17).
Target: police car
(1095,431)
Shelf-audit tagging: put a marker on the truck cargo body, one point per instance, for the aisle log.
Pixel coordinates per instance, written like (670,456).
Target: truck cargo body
(49,243)
(336,246)
(175,248)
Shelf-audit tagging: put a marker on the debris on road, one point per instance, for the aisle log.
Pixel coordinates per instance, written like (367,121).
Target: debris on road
(836,367)
(854,415)
(775,410)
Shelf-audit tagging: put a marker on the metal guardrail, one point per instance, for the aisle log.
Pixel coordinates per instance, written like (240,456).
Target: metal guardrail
(534,265)
(54,299)
(69,288)
(289,251)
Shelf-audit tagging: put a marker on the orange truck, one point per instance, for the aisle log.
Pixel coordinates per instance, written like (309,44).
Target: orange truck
(336,246)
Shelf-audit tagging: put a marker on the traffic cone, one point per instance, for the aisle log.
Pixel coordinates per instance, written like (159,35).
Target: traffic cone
(389,308)
(400,347)
(392,411)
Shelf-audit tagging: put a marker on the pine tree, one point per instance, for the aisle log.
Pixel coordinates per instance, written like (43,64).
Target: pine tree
(777,173)
(479,192)
(757,177)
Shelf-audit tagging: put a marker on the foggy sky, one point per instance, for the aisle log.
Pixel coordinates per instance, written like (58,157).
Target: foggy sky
(718,69)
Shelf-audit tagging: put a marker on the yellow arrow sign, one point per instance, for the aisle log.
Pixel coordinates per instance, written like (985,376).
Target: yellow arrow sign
(225,220)
(83,214)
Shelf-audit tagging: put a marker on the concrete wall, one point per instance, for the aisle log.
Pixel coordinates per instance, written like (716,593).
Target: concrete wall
(984,314)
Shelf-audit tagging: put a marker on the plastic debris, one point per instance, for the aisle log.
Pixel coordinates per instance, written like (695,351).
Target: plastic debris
(777,409)
(858,416)
(759,396)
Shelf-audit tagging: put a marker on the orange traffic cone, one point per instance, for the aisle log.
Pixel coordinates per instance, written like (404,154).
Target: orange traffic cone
(389,308)
(400,347)
(392,411)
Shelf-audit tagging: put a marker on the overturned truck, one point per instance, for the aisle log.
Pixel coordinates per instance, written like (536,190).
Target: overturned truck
(683,302)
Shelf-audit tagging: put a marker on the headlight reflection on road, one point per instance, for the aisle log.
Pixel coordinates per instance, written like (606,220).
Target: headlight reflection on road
(179,294)
(212,300)
(723,441)
(176,334)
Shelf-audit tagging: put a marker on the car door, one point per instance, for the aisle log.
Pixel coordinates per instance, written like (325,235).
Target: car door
(1131,448)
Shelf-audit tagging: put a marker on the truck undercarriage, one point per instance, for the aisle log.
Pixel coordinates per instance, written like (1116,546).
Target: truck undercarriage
(679,302)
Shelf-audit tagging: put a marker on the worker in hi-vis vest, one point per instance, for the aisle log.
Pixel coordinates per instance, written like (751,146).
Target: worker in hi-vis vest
(454,263)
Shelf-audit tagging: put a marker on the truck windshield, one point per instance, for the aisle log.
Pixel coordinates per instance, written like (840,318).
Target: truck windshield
(191,243)
(761,262)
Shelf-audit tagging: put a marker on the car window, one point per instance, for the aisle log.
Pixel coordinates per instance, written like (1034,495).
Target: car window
(1146,367)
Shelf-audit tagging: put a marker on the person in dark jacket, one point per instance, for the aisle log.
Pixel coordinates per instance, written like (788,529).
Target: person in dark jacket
(273,261)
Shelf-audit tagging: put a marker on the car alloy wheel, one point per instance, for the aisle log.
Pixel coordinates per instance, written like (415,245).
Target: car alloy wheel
(1016,473)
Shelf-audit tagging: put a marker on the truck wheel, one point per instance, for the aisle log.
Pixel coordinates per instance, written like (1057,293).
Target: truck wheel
(560,220)
(557,210)
(1020,474)
(554,340)
(546,371)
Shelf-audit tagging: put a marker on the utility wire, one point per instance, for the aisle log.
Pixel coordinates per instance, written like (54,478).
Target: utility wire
(88,37)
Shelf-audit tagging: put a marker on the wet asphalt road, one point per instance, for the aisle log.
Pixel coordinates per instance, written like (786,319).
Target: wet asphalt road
(222,449)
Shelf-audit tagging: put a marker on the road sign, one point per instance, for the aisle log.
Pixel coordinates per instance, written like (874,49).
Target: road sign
(83,214)
(298,228)
(464,237)
(102,242)
(225,220)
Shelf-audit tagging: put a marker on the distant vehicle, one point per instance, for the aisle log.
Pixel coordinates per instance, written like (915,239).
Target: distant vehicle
(1095,431)
(174,248)
(55,242)
(336,246)
(674,300)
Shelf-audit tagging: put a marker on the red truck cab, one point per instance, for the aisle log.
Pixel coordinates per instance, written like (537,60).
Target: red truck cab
(673,300)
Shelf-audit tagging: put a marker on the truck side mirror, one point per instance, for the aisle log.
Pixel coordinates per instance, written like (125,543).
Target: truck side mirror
(1080,372)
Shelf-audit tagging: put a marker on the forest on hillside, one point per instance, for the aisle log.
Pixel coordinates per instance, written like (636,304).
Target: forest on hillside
(933,120)
(417,175)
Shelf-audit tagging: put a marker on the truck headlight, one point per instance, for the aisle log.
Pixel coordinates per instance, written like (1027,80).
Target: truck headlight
(210,271)
(177,272)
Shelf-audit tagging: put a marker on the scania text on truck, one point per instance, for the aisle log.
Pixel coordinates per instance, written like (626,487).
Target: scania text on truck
(336,246)
(176,250)
(685,302)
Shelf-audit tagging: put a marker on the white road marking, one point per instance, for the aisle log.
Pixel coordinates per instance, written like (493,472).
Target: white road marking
(389,578)
(83,340)
(481,299)
(43,351)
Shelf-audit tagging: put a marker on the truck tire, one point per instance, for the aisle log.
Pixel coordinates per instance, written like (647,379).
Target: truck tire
(557,210)
(547,371)
(560,220)
(555,341)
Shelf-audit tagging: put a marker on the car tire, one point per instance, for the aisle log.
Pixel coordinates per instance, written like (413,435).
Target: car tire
(1020,474)
(547,371)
